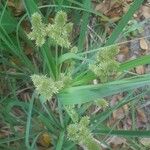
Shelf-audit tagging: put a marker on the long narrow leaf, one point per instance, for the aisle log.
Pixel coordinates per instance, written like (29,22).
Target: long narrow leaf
(136,62)
(28,125)
(82,94)
(31,7)
(85,21)
(125,133)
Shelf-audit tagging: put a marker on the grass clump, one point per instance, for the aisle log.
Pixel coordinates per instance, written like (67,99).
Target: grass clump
(67,106)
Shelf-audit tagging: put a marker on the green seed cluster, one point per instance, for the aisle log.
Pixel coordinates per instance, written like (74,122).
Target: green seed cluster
(80,133)
(74,49)
(45,86)
(58,31)
(105,66)
(72,113)
(38,30)
(102,103)
(66,79)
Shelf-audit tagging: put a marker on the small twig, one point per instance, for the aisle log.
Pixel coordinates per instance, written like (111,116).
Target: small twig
(95,33)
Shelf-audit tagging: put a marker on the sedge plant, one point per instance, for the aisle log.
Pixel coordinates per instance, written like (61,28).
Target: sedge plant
(62,75)
(51,87)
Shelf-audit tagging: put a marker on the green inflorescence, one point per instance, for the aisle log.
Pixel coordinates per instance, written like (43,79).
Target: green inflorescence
(80,133)
(38,30)
(72,113)
(102,103)
(58,31)
(74,49)
(47,87)
(66,79)
(105,66)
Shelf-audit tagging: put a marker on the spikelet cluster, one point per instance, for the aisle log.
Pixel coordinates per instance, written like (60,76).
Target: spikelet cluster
(102,103)
(58,31)
(45,86)
(80,134)
(38,30)
(74,49)
(66,79)
(105,66)
(72,113)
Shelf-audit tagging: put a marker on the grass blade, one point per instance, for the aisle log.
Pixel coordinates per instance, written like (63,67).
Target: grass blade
(60,141)
(28,125)
(82,94)
(125,133)
(31,7)
(136,62)
(85,21)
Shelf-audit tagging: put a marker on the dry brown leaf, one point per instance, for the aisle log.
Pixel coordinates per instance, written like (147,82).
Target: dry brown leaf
(118,114)
(45,140)
(146,11)
(140,69)
(141,115)
(121,57)
(143,44)
(124,50)
(117,140)
(127,123)
(103,6)
(145,141)
(18,7)
(116,11)
(126,108)
(129,1)
(15,60)
(141,118)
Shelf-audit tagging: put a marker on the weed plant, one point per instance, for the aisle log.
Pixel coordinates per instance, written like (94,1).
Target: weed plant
(59,78)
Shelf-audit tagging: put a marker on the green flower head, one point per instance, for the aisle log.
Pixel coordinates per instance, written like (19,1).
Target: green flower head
(38,30)
(81,134)
(46,86)
(105,67)
(102,103)
(59,31)
(60,18)
(72,113)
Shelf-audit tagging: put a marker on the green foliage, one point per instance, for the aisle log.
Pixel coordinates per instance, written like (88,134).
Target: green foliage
(68,78)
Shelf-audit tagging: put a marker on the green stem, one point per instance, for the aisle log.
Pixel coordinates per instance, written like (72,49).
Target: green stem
(28,125)
(60,113)
(60,141)
(56,58)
